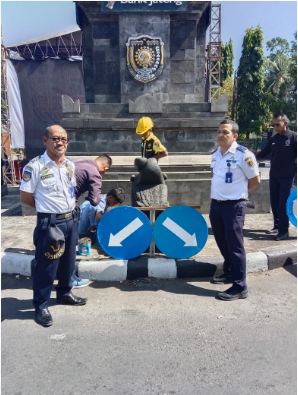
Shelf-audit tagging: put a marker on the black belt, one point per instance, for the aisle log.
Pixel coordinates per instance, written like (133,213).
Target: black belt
(58,216)
(223,201)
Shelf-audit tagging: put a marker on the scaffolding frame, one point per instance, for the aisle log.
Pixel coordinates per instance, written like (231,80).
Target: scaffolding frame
(214,53)
(9,175)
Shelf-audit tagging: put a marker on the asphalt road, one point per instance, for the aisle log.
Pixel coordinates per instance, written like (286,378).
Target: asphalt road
(154,337)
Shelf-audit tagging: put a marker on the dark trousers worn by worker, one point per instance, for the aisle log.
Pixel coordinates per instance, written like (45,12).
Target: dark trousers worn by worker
(280,188)
(226,219)
(45,269)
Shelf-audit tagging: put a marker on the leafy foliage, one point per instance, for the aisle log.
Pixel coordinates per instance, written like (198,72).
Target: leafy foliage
(226,64)
(277,46)
(251,81)
(227,88)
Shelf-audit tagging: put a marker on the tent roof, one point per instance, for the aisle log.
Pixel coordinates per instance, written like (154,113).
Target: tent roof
(48,37)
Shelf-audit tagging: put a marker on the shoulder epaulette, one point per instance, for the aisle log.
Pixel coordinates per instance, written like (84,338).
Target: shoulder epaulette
(34,159)
(241,148)
(214,151)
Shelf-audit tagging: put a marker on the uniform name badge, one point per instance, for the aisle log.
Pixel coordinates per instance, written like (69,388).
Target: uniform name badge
(72,194)
(229,175)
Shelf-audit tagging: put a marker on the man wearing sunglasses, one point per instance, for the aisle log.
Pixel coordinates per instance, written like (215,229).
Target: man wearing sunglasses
(283,147)
(48,184)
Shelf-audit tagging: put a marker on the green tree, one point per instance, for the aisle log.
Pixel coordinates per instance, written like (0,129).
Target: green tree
(227,88)
(293,70)
(226,64)
(250,81)
(276,47)
(279,79)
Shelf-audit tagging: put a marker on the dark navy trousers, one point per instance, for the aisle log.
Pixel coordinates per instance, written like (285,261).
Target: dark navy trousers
(280,188)
(227,219)
(45,270)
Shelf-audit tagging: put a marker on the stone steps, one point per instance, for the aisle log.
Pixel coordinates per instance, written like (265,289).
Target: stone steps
(113,114)
(166,169)
(118,124)
(125,176)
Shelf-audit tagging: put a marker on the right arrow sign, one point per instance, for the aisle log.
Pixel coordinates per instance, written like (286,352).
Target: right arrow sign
(190,240)
(180,232)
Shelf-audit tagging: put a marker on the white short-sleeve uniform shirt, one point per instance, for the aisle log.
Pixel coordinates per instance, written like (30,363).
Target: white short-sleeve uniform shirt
(243,166)
(52,186)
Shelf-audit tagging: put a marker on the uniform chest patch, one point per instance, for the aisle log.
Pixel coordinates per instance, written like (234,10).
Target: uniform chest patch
(69,168)
(288,142)
(47,176)
(44,170)
(149,145)
(26,176)
(28,168)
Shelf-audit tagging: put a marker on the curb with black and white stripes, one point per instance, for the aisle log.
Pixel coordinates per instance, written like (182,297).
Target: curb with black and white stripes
(144,266)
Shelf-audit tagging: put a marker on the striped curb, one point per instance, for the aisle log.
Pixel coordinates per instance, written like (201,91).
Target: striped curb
(264,164)
(144,266)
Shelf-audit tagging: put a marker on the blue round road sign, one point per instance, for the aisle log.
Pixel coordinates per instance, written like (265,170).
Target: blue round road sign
(292,207)
(124,232)
(180,232)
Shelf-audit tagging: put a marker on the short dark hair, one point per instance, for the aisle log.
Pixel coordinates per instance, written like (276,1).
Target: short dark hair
(118,194)
(106,158)
(235,127)
(47,131)
(282,115)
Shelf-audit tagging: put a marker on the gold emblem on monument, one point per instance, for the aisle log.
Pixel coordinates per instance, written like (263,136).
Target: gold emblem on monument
(145,57)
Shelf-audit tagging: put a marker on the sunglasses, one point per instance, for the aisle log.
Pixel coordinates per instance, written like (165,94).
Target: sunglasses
(56,139)
(275,125)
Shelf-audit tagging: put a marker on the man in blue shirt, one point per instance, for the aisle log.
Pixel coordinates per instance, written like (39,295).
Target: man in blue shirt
(91,215)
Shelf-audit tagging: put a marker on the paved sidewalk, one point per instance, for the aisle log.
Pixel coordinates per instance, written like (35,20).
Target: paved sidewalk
(18,250)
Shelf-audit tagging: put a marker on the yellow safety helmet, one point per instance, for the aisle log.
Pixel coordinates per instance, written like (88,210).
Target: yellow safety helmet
(144,125)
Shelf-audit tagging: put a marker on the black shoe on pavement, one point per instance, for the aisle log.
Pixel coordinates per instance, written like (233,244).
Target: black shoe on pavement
(71,300)
(272,231)
(233,294)
(43,317)
(282,236)
(223,279)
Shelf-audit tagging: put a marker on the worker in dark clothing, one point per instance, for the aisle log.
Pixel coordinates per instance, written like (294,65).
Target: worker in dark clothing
(88,178)
(89,175)
(283,147)
(151,146)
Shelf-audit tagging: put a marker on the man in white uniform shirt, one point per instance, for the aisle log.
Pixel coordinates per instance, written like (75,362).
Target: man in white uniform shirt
(235,173)
(48,186)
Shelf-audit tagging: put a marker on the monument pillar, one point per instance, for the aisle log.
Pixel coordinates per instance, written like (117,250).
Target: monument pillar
(143,58)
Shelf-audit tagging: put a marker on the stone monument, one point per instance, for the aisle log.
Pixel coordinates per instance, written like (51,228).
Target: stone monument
(148,187)
(143,58)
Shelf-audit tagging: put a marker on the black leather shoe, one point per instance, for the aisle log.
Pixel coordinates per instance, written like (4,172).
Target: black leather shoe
(43,317)
(72,300)
(223,279)
(282,236)
(272,231)
(233,294)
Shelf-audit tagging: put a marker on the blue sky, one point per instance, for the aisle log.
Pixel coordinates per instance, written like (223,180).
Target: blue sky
(25,20)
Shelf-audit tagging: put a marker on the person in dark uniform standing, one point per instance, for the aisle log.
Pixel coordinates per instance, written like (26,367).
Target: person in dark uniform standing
(151,146)
(47,185)
(283,147)
(235,173)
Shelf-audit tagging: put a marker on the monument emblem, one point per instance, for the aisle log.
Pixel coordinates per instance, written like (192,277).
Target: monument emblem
(145,57)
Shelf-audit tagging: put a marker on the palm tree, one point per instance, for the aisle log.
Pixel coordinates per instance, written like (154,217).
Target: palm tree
(278,77)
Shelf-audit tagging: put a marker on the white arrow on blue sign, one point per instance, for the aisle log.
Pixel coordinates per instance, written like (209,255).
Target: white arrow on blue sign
(124,232)
(292,207)
(180,232)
